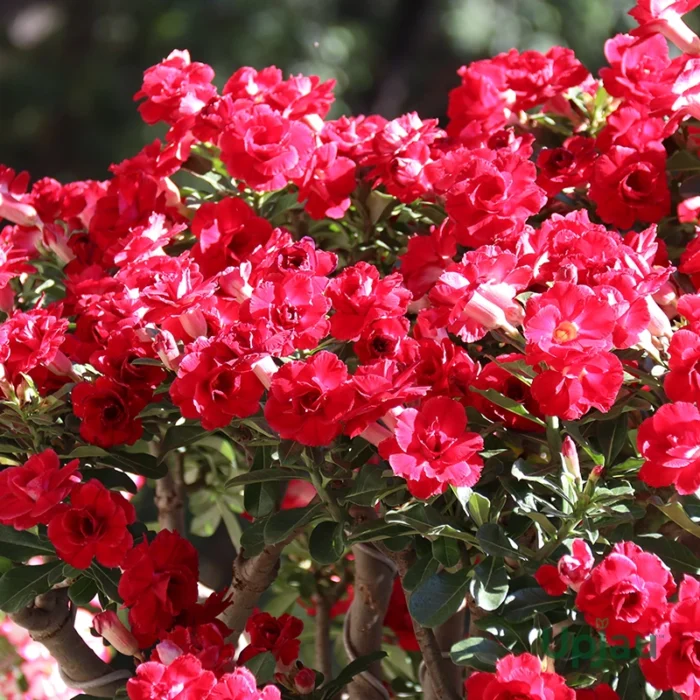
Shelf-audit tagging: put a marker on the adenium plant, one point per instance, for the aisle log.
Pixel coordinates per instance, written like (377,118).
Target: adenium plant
(439,386)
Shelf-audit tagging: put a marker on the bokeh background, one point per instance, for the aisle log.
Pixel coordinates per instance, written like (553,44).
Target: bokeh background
(69,68)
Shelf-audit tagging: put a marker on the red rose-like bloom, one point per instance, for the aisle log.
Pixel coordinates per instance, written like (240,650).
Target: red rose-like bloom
(571,387)
(215,383)
(548,577)
(30,494)
(278,635)
(95,525)
(308,400)
(575,568)
(175,88)
(242,685)
(626,594)
(629,185)
(518,678)
(108,411)
(567,166)
(359,296)
(432,448)
(565,320)
(183,679)
(669,441)
(264,149)
(599,692)
(159,582)
(398,619)
(674,661)
(682,383)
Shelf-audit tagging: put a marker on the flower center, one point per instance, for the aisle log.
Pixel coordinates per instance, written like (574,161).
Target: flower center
(565,332)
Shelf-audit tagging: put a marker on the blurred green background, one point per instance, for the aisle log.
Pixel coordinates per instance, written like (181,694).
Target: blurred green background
(69,68)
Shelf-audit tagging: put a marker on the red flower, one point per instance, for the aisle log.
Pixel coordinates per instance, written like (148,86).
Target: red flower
(206,642)
(327,183)
(548,577)
(382,339)
(113,631)
(575,568)
(630,185)
(359,296)
(308,400)
(30,494)
(493,376)
(669,441)
(672,661)
(665,17)
(567,319)
(398,619)
(626,594)
(265,149)
(183,679)
(353,136)
(567,166)
(518,678)
(241,685)
(601,691)
(432,448)
(159,582)
(175,88)
(278,635)
(95,525)
(682,383)
(215,383)
(571,387)
(108,411)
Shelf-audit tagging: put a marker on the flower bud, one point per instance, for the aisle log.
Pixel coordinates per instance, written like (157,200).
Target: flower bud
(570,458)
(109,626)
(305,681)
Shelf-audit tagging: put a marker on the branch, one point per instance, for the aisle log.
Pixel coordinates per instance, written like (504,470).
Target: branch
(322,639)
(49,620)
(438,668)
(170,498)
(446,636)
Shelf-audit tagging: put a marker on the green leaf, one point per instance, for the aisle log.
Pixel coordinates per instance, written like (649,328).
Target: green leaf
(19,586)
(253,538)
(262,666)
(375,530)
(180,436)
(479,507)
(421,569)
(506,402)
(367,486)
(327,542)
(233,527)
(260,476)
(489,588)
(20,545)
(106,579)
(282,525)
(110,478)
(675,555)
(350,671)
(493,540)
(82,591)
(478,652)
(630,684)
(447,552)
(137,463)
(83,451)
(438,598)
(612,435)
(206,523)
(260,499)
(573,430)
(527,602)
(675,512)
(682,161)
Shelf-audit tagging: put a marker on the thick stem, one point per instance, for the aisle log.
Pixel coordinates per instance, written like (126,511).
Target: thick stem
(170,498)
(446,635)
(324,656)
(49,620)
(364,622)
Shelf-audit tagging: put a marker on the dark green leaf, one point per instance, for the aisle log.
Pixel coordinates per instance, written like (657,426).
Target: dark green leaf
(631,683)
(260,499)
(447,551)
(375,530)
(422,569)
(509,404)
(259,476)
(282,525)
(675,512)
(612,435)
(327,542)
(478,652)
(111,478)
(180,436)
(682,161)
(253,538)
(527,602)
(20,545)
(438,598)
(82,591)
(19,586)
(493,540)
(350,671)
(106,579)
(137,463)
(262,666)
(367,486)
(489,587)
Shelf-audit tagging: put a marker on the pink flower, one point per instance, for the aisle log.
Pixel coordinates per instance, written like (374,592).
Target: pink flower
(241,685)
(432,448)
(665,17)
(112,629)
(682,383)
(575,568)
(183,679)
